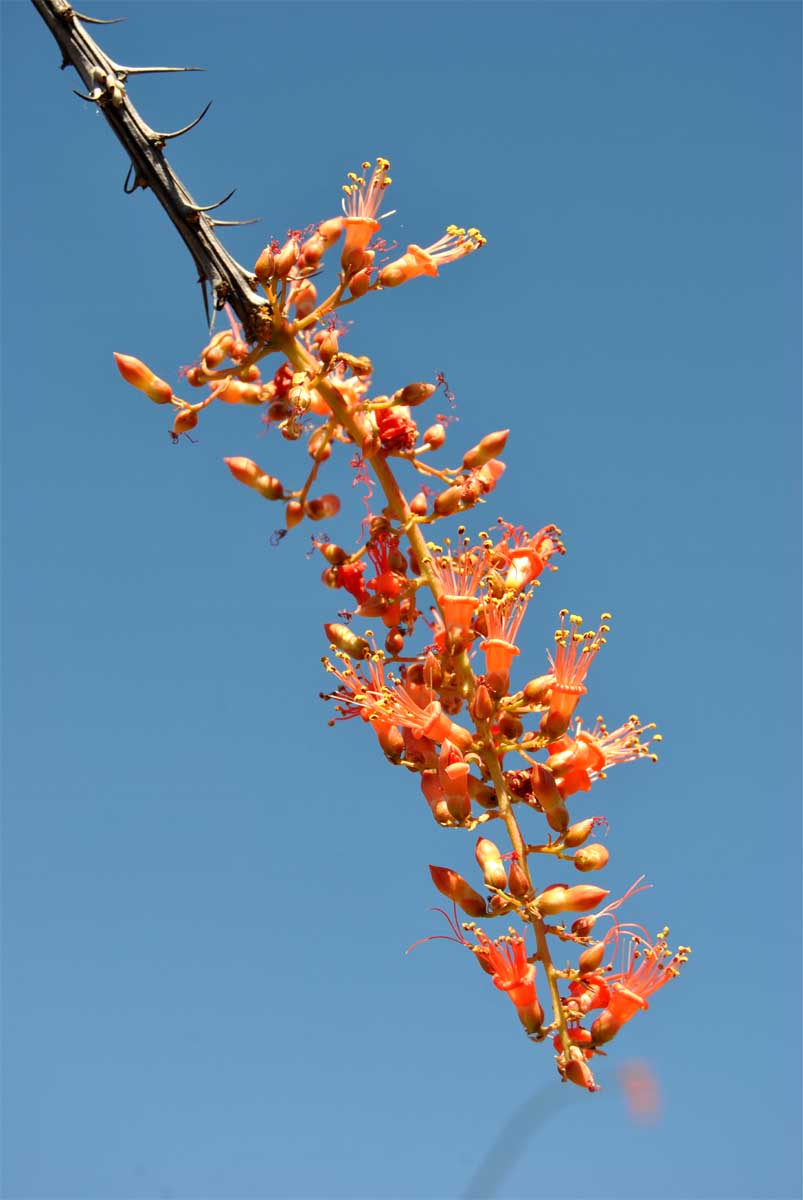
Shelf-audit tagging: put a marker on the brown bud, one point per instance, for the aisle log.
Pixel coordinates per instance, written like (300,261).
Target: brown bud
(312,250)
(319,446)
(360,283)
(519,884)
(455,888)
(328,346)
(482,706)
(322,507)
(538,689)
(413,394)
(591,858)
(510,726)
(480,792)
(490,862)
(394,642)
(418,505)
(576,834)
(265,265)
(346,640)
(490,446)
(448,501)
(591,958)
(434,437)
(333,553)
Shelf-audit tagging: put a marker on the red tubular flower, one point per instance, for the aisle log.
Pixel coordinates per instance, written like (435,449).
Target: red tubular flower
(502,620)
(578,761)
(505,959)
(646,970)
(361,204)
(460,576)
(454,244)
(526,555)
(574,654)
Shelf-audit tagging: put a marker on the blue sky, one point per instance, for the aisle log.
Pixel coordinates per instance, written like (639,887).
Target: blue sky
(207,892)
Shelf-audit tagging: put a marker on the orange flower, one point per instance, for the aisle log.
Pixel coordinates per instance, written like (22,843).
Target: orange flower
(526,556)
(460,576)
(646,970)
(454,244)
(574,654)
(577,762)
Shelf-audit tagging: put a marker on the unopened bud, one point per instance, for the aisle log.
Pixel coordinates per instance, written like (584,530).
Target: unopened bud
(491,445)
(312,250)
(346,640)
(234,391)
(510,726)
(537,690)
(285,260)
(576,834)
(560,899)
(482,706)
(360,283)
(434,437)
(545,790)
(305,297)
(591,958)
(333,553)
(322,507)
(418,505)
(329,231)
(591,858)
(246,471)
(490,862)
(264,268)
(455,888)
(134,371)
(294,513)
(499,905)
(448,501)
(394,641)
(328,346)
(480,792)
(518,883)
(186,419)
(413,394)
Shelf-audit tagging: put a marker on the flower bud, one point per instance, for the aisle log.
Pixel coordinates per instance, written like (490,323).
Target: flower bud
(329,231)
(360,283)
(499,905)
(577,1070)
(591,958)
(285,260)
(519,884)
(322,507)
(312,251)
(434,437)
(510,726)
(234,391)
(293,513)
(455,888)
(537,690)
(264,268)
(141,377)
(545,790)
(304,298)
(448,501)
(394,641)
(418,504)
(482,706)
(576,834)
(246,471)
(490,862)
(480,792)
(186,419)
(348,641)
(491,445)
(328,346)
(591,858)
(560,899)
(413,394)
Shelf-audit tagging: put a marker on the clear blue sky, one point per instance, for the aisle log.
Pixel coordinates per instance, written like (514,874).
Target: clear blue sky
(208,893)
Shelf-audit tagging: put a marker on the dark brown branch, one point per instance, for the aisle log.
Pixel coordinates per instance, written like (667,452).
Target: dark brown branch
(104,81)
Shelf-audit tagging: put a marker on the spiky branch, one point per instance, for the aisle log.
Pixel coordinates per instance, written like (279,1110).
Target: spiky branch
(105,81)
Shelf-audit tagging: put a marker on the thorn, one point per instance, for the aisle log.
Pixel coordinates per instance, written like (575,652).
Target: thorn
(160,138)
(82,96)
(199,208)
(250,221)
(123,72)
(98,20)
(128,187)
(205,295)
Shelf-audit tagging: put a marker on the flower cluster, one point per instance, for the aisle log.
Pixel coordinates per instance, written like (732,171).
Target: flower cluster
(438,691)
